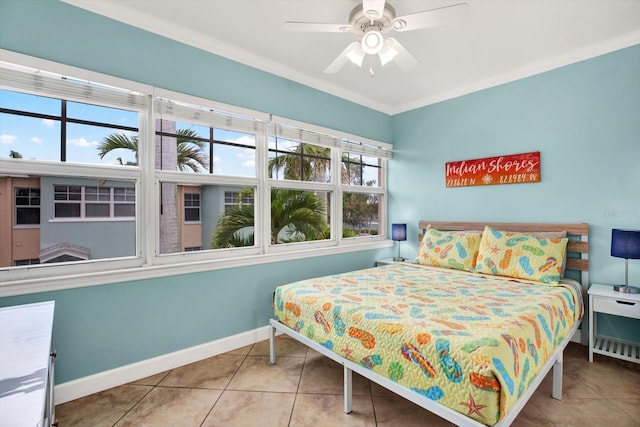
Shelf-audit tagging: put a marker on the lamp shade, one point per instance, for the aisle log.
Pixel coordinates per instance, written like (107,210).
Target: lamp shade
(398,232)
(625,243)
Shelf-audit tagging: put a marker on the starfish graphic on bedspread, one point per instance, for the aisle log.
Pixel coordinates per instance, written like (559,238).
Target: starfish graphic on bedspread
(474,408)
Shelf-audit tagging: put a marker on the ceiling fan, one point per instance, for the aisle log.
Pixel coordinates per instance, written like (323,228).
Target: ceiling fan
(372,22)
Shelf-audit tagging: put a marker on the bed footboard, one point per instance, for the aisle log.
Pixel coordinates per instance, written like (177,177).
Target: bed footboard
(555,362)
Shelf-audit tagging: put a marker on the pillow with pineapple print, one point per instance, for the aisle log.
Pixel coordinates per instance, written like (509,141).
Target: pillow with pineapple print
(523,256)
(455,249)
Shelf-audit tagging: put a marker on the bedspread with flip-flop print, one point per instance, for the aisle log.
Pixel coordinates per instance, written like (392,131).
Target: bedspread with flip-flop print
(472,342)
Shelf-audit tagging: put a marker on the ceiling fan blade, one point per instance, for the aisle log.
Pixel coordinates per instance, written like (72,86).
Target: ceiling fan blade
(404,58)
(353,52)
(316,27)
(431,18)
(373,9)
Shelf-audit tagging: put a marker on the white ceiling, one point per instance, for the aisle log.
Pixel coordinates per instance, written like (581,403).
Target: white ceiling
(499,41)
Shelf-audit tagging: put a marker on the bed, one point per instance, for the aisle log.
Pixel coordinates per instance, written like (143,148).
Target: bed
(467,332)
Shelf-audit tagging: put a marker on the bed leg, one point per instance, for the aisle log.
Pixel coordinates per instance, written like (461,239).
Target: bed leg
(348,388)
(272,345)
(556,391)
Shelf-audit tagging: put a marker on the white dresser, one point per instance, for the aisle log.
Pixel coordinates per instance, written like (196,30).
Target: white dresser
(26,365)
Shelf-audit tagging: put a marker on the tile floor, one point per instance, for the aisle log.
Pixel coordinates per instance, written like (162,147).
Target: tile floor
(304,388)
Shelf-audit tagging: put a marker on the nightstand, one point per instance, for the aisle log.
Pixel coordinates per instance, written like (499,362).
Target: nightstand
(603,299)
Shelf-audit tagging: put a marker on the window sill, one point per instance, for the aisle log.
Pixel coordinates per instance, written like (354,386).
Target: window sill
(57,283)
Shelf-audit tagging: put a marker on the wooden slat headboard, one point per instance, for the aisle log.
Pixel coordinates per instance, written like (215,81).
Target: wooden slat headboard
(578,237)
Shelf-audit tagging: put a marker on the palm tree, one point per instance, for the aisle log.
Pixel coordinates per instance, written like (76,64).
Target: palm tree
(190,155)
(306,162)
(295,216)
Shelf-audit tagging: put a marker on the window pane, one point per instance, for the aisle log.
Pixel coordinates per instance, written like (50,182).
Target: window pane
(128,210)
(30,216)
(180,149)
(195,148)
(124,194)
(64,234)
(299,161)
(39,138)
(360,214)
(362,170)
(84,144)
(31,103)
(67,210)
(371,174)
(97,113)
(237,157)
(200,131)
(29,138)
(180,228)
(298,216)
(97,210)
(192,214)
(67,192)
(26,262)
(91,193)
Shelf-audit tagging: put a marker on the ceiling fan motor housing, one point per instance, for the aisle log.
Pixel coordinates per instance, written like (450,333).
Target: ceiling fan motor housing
(360,23)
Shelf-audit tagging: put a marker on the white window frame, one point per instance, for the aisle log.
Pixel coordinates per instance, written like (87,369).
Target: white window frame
(147,263)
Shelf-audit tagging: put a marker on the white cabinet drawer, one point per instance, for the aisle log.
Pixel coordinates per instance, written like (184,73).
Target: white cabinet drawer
(617,307)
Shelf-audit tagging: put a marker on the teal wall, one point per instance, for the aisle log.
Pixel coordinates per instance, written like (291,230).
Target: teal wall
(585,121)
(104,327)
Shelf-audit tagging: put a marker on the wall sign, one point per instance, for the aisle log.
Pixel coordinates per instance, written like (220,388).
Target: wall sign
(511,169)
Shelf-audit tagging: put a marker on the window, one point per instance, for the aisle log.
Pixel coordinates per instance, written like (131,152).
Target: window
(233,199)
(124,202)
(213,182)
(26,262)
(191,207)
(363,199)
(204,153)
(27,206)
(74,201)
(77,141)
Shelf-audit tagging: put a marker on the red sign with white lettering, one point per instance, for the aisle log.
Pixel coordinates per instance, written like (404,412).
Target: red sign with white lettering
(511,169)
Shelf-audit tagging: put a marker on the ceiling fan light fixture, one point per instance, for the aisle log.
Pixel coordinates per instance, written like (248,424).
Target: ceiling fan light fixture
(387,53)
(355,54)
(372,41)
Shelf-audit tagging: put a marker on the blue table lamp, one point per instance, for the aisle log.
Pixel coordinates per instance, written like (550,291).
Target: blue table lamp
(625,244)
(398,234)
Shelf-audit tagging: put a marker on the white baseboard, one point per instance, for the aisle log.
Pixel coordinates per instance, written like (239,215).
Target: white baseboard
(85,386)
